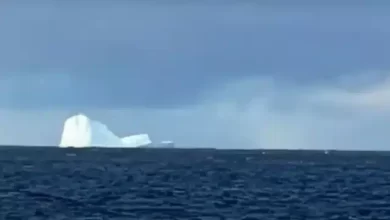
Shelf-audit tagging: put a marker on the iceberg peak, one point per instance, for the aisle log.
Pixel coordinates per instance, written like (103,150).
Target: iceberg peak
(81,131)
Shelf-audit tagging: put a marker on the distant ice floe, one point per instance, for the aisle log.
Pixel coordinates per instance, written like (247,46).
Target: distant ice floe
(80,131)
(165,144)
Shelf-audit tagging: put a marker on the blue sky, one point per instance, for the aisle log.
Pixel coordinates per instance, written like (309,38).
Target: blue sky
(234,75)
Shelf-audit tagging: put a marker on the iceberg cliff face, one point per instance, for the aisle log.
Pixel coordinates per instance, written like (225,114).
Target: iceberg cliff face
(80,131)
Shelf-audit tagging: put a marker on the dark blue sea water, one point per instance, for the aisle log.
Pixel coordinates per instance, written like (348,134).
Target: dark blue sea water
(96,183)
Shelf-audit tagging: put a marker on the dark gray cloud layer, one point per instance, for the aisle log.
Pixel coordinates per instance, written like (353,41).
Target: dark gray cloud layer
(229,75)
(121,54)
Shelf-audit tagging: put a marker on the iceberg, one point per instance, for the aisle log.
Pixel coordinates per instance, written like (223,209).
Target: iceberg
(137,140)
(166,144)
(79,131)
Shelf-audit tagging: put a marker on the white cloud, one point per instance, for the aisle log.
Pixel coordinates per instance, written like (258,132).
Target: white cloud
(343,115)
(373,98)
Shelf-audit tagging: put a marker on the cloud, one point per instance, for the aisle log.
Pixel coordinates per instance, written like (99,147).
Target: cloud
(373,98)
(239,76)
(344,114)
(257,112)
(230,38)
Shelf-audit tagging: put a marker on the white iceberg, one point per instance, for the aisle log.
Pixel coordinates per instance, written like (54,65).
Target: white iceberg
(137,140)
(80,131)
(166,144)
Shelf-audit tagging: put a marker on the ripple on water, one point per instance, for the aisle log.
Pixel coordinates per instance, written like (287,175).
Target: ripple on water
(190,184)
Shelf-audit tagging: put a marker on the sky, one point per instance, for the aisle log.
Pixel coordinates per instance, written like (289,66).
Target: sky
(236,74)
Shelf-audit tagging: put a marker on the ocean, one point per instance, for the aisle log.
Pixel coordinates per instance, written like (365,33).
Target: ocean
(196,184)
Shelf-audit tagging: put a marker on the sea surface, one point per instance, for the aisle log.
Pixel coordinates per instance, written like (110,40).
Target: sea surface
(170,184)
